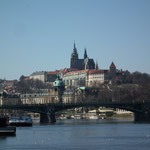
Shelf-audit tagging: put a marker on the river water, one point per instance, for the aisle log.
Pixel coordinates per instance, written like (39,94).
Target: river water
(80,135)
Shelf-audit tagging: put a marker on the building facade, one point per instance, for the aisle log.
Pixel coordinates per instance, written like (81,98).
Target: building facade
(112,71)
(97,77)
(88,78)
(75,78)
(41,75)
(51,76)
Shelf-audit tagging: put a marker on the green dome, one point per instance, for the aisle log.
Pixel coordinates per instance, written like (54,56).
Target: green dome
(58,83)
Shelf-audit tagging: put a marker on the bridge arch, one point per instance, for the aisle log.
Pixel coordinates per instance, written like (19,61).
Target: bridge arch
(47,111)
(46,115)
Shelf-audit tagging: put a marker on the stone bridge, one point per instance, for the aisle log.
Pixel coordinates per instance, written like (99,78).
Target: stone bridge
(47,111)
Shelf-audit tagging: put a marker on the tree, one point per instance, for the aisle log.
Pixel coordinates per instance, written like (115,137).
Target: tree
(30,86)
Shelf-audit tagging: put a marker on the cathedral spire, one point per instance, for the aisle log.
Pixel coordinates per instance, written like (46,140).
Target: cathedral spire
(74,57)
(74,49)
(74,45)
(74,53)
(85,54)
(96,65)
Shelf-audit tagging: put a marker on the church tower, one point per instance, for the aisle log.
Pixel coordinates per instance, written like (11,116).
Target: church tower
(81,64)
(74,57)
(96,65)
(85,54)
(112,70)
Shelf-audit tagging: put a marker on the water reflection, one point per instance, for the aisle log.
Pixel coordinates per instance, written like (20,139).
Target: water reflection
(80,134)
(92,122)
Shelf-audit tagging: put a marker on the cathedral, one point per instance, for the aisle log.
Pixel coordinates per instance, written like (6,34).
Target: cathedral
(81,64)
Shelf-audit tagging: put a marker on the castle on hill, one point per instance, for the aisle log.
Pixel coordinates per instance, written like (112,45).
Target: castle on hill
(82,72)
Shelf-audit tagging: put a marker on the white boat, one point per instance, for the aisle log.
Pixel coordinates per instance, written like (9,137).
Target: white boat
(95,117)
(20,121)
(77,116)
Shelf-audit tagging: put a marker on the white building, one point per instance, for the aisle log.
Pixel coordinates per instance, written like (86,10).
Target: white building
(88,77)
(75,78)
(41,75)
(96,77)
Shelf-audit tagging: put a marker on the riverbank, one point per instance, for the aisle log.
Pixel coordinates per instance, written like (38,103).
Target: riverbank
(125,116)
(90,116)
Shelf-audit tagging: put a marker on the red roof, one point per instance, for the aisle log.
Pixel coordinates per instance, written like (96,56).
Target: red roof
(94,71)
(65,70)
(26,79)
(78,71)
(8,87)
(53,72)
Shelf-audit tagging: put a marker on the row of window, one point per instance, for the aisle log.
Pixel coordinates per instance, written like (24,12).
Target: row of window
(33,95)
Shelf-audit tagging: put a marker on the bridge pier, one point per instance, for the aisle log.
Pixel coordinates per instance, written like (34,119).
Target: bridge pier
(142,117)
(48,115)
(47,118)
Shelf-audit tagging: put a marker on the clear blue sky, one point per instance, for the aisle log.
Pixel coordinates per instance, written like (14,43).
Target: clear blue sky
(38,35)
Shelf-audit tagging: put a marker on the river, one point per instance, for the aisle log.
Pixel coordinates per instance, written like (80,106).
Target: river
(80,135)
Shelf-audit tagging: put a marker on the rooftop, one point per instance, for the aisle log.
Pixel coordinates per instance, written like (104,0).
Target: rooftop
(53,72)
(112,65)
(76,72)
(94,71)
(38,73)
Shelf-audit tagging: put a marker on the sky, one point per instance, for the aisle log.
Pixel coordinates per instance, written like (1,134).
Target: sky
(38,35)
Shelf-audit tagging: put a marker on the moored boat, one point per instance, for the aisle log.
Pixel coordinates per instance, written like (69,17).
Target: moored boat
(20,121)
(5,129)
